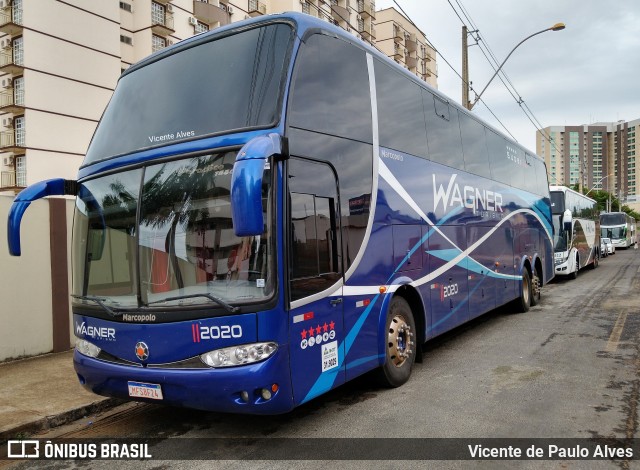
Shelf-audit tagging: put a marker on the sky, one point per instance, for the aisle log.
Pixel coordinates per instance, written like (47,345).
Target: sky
(589,72)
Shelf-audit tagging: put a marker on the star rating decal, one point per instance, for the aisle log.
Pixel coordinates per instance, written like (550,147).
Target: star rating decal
(318,334)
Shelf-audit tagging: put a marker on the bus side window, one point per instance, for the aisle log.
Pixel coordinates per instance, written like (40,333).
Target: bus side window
(474,146)
(500,170)
(401,121)
(443,131)
(530,182)
(542,183)
(330,92)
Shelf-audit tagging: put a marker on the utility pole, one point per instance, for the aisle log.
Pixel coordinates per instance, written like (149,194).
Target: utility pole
(465,69)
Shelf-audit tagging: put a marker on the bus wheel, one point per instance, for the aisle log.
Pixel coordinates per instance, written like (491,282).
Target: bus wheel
(596,260)
(536,289)
(400,344)
(574,274)
(524,302)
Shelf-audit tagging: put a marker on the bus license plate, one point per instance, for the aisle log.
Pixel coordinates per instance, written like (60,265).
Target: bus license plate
(142,390)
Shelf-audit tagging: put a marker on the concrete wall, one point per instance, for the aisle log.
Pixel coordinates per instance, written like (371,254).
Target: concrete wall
(32,319)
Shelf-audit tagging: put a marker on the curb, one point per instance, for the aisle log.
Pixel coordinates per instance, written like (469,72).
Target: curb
(53,421)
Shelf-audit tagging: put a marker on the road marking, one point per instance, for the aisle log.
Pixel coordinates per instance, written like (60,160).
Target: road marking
(614,339)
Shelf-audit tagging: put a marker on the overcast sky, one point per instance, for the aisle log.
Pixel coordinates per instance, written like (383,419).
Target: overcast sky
(589,72)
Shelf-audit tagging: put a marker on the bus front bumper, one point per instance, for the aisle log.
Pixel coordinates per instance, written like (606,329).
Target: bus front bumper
(563,268)
(205,389)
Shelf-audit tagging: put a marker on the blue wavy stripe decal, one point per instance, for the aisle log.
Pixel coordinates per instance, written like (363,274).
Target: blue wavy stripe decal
(472,265)
(326,379)
(455,309)
(364,360)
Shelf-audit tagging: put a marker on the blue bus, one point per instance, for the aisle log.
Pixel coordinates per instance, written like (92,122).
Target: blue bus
(273,208)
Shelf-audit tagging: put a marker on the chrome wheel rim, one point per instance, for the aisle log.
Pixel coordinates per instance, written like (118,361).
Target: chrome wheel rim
(399,341)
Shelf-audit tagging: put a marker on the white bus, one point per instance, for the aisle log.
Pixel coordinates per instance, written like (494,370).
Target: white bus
(576,233)
(620,227)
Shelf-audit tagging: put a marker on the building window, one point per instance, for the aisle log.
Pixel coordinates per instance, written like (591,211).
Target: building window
(157,13)
(18,51)
(126,40)
(21,171)
(16,15)
(157,43)
(18,124)
(201,27)
(18,91)
(126,7)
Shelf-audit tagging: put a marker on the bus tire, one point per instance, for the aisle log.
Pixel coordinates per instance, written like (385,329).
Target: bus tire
(596,260)
(536,289)
(523,304)
(574,274)
(400,336)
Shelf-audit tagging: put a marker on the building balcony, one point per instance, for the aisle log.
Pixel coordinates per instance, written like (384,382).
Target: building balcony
(398,52)
(8,180)
(11,101)
(11,20)
(429,71)
(411,62)
(210,14)
(8,64)
(339,13)
(367,8)
(367,30)
(257,8)
(411,44)
(9,142)
(398,34)
(162,25)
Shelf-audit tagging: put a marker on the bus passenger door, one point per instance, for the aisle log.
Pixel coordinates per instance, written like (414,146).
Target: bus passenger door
(480,264)
(449,305)
(315,280)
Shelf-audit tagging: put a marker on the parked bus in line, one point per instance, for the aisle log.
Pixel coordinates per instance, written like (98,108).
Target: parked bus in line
(273,208)
(576,231)
(620,227)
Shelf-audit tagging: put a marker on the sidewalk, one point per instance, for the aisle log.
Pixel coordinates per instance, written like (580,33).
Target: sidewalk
(43,392)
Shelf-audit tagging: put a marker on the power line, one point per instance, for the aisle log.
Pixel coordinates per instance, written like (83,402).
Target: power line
(454,70)
(518,99)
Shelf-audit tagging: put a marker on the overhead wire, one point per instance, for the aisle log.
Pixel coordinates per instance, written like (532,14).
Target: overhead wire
(482,44)
(519,100)
(453,69)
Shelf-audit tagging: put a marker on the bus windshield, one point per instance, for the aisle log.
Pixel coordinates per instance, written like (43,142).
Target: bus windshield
(234,82)
(559,235)
(165,231)
(614,233)
(557,202)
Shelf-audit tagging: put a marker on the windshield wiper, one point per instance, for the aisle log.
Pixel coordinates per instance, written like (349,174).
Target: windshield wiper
(100,302)
(218,300)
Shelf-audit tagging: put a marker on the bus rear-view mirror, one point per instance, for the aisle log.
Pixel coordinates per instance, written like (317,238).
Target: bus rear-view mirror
(566,220)
(246,184)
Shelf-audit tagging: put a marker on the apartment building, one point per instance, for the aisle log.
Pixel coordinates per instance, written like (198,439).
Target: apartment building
(402,41)
(60,61)
(601,156)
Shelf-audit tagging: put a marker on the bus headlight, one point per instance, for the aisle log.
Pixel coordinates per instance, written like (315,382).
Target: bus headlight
(86,348)
(239,355)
